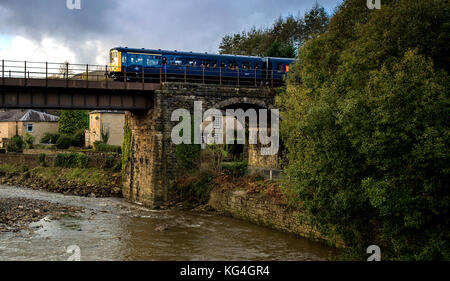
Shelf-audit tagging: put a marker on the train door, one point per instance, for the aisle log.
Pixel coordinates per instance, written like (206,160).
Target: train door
(265,69)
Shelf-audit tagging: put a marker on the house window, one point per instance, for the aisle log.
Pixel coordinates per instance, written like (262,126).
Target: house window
(217,122)
(29,128)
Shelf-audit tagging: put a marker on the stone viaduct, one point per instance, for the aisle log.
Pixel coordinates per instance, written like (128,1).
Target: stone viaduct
(152,165)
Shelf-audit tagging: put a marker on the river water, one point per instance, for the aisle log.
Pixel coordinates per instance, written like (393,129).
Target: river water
(113,229)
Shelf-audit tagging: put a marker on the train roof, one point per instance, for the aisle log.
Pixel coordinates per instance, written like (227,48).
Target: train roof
(175,52)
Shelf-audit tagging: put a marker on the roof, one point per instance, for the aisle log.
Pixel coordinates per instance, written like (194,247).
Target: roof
(108,111)
(168,52)
(27,116)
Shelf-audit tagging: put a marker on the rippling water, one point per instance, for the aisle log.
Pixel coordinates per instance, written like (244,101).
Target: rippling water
(123,231)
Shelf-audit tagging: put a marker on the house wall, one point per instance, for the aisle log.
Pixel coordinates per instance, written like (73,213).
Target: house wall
(113,121)
(39,129)
(8,129)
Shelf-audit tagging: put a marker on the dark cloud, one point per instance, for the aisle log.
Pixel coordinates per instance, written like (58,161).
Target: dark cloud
(196,25)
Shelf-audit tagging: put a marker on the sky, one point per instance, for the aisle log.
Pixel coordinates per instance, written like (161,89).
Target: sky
(47,30)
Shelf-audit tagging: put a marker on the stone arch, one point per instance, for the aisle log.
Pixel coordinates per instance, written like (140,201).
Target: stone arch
(244,100)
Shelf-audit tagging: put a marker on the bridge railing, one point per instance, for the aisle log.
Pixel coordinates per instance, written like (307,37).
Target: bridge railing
(188,74)
(50,70)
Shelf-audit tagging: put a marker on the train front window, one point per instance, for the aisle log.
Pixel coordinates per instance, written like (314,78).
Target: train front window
(114,58)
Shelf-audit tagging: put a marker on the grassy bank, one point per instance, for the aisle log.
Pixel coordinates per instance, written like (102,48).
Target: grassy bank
(74,181)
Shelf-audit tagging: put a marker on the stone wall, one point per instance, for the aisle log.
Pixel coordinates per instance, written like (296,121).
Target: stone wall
(30,161)
(152,165)
(261,210)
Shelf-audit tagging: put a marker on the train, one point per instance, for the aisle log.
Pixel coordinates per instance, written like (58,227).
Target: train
(156,66)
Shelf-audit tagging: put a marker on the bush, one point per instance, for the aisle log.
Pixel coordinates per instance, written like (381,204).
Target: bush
(65,160)
(42,159)
(49,138)
(15,144)
(187,155)
(64,142)
(109,162)
(82,161)
(28,140)
(78,139)
(102,147)
(194,188)
(235,169)
(71,160)
(2,150)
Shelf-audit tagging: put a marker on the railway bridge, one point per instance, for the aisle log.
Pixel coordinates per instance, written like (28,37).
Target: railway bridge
(152,165)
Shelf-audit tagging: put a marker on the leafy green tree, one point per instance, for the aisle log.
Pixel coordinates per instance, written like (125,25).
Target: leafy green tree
(71,121)
(365,126)
(282,39)
(279,50)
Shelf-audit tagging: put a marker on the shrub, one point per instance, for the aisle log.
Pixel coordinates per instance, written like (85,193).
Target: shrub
(49,138)
(15,144)
(71,160)
(82,161)
(65,160)
(2,150)
(64,142)
(194,188)
(78,139)
(28,140)
(42,159)
(235,169)
(109,162)
(101,147)
(187,155)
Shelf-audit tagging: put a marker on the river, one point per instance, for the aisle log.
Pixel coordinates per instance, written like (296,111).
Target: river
(114,229)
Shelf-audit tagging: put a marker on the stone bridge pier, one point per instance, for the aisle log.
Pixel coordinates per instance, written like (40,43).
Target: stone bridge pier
(152,166)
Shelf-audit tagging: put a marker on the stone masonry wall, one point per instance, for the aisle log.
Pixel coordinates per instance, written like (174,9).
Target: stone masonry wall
(32,160)
(263,211)
(152,164)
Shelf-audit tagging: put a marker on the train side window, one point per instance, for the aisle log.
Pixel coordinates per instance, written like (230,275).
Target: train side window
(190,62)
(246,65)
(256,65)
(280,67)
(139,60)
(131,59)
(164,60)
(152,60)
(124,58)
(222,64)
(287,68)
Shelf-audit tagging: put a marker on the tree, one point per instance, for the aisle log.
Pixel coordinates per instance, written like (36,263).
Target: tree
(71,121)
(366,129)
(279,50)
(282,39)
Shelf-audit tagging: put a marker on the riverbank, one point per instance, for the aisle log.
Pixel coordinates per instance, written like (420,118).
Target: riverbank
(92,182)
(16,214)
(263,202)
